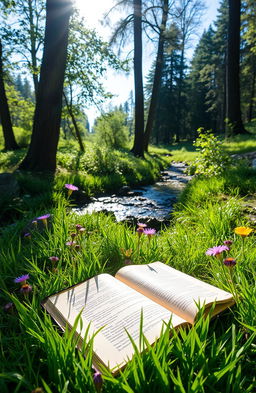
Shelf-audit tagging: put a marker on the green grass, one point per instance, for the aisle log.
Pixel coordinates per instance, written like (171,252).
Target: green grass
(240,144)
(216,356)
(210,357)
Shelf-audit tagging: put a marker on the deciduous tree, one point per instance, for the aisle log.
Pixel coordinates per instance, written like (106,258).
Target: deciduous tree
(42,151)
(9,138)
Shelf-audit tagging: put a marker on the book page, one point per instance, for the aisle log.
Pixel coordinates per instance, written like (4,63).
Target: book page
(109,304)
(173,289)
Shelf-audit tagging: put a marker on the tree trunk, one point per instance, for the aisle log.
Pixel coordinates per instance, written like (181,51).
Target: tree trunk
(157,77)
(178,131)
(78,135)
(252,96)
(9,138)
(33,47)
(233,110)
(42,151)
(138,146)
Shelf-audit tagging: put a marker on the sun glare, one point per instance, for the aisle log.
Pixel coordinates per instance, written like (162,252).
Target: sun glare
(93,11)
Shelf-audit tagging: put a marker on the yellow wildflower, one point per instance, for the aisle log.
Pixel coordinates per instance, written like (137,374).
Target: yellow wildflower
(243,231)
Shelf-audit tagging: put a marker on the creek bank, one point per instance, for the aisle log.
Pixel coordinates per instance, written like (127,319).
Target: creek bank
(151,204)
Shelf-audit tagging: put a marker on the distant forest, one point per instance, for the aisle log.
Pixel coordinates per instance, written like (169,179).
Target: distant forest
(52,67)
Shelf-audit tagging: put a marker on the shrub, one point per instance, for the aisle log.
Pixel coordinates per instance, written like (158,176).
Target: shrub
(212,158)
(111,130)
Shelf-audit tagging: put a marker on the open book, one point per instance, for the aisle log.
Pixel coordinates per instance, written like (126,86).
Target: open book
(115,303)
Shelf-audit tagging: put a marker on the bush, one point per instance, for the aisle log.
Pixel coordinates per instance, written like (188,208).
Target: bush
(111,130)
(212,158)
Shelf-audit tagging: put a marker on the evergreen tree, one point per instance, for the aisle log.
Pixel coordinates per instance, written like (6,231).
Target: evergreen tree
(233,108)
(202,84)
(248,60)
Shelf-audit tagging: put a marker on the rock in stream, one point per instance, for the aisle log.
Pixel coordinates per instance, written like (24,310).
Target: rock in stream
(152,204)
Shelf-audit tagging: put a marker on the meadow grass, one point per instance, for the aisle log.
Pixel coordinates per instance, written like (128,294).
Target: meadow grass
(212,356)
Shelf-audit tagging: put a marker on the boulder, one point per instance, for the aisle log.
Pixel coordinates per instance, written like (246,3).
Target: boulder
(124,190)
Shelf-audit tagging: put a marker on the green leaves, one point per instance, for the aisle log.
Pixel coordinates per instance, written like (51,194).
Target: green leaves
(212,159)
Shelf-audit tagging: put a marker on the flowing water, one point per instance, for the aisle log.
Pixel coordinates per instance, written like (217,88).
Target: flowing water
(150,203)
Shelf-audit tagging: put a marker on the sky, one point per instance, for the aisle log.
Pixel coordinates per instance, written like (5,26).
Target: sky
(120,84)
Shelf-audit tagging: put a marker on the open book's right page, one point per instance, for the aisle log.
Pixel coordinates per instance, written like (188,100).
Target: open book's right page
(173,289)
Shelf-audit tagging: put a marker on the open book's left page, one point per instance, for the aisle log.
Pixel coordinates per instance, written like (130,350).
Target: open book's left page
(108,303)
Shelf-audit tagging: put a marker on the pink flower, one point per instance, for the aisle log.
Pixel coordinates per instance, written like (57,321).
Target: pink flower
(71,188)
(70,244)
(149,232)
(54,259)
(44,218)
(217,250)
(141,225)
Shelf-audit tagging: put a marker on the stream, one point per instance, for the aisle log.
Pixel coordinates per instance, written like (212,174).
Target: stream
(153,204)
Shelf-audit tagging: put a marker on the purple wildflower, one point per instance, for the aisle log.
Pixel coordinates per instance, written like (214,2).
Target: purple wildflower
(54,259)
(71,188)
(141,225)
(70,244)
(27,235)
(22,279)
(228,242)
(98,381)
(26,289)
(217,250)
(44,217)
(229,262)
(78,227)
(149,232)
